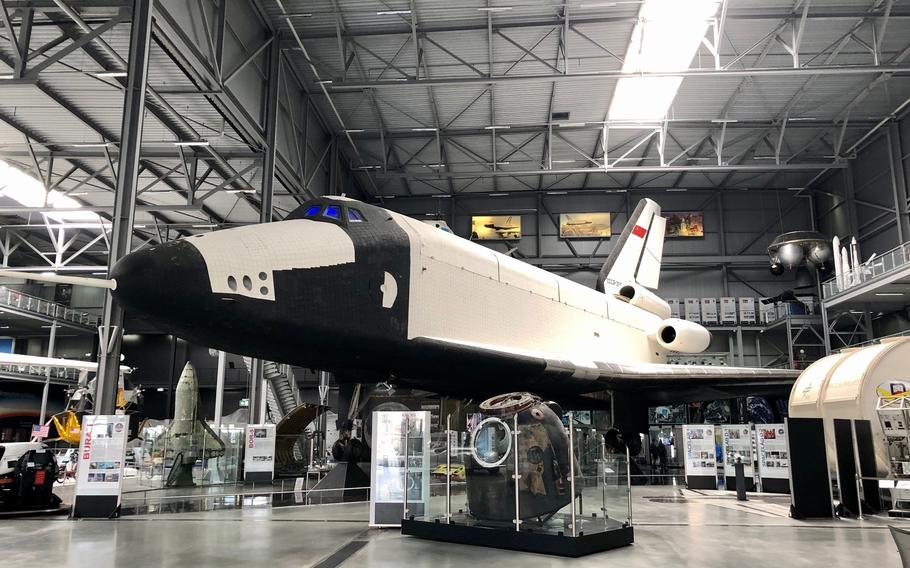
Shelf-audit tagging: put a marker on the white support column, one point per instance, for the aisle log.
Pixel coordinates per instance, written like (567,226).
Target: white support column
(51,344)
(219,390)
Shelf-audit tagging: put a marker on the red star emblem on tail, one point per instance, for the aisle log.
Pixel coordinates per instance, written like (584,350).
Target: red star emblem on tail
(639,231)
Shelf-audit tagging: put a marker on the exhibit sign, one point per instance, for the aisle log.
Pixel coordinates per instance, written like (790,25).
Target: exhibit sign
(99,473)
(747,310)
(737,443)
(709,310)
(675,307)
(773,453)
(495,227)
(259,453)
(584,225)
(693,310)
(700,456)
(400,462)
(728,311)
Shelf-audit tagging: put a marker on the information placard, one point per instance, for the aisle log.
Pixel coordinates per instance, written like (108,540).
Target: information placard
(259,452)
(773,455)
(701,459)
(737,442)
(99,473)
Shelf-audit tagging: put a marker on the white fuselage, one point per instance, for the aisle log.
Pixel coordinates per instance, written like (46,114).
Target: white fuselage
(465,292)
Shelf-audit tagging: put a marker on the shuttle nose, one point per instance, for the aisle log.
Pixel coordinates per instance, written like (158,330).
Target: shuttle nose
(163,280)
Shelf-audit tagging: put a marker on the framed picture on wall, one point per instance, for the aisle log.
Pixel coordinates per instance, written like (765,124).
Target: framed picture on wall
(685,224)
(495,227)
(584,225)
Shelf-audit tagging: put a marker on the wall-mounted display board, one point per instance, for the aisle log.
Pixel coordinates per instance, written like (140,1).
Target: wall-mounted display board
(584,225)
(685,224)
(495,227)
(773,457)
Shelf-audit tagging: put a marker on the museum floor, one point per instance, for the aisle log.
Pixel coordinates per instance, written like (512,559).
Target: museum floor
(672,528)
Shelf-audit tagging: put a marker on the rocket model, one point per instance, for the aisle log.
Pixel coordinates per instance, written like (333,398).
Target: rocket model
(189,438)
(838,269)
(854,256)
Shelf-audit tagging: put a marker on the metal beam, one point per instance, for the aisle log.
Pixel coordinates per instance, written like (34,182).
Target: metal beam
(121,239)
(346,86)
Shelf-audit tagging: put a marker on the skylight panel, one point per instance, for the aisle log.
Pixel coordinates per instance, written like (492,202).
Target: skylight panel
(29,192)
(664,40)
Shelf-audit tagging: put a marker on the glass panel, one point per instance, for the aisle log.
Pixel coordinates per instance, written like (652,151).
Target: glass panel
(474,463)
(354,215)
(311,211)
(332,212)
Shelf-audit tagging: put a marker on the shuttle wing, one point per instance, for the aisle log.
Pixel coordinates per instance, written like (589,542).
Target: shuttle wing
(551,374)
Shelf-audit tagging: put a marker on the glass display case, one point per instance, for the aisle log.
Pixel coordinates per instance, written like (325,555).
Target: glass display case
(508,478)
(154,458)
(400,466)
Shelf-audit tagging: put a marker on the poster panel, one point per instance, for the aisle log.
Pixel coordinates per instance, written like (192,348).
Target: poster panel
(584,225)
(102,451)
(259,454)
(685,224)
(701,459)
(773,456)
(737,442)
(495,227)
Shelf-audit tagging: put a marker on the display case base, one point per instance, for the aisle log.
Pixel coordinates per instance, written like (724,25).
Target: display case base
(525,541)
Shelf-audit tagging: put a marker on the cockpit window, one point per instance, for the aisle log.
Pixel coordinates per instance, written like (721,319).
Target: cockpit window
(332,212)
(311,211)
(354,215)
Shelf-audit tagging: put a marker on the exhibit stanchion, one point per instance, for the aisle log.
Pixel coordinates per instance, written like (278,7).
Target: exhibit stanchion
(515,474)
(448,468)
(629,482)
(571,467)
(407,427)
(603,478)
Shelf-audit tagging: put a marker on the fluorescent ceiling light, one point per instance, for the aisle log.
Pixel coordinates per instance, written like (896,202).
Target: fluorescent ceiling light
(495,9)
(498,194)
(241,191)
(204,226)
(443,196)
(423,130)
(354,130)
(324,82)
(665,39)
(677,189)
(563,161)
(393,13)
(889,293)
(7,76)
(91,145)
(557,192)
(29,192)
(496,127)
(192,143)
(106,74)
(570,124)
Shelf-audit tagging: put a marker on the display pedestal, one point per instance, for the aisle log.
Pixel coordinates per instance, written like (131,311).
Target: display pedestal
(524,541)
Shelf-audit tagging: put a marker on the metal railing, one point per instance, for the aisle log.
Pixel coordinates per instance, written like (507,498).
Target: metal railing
(877,266)
(25,302)
(67,375)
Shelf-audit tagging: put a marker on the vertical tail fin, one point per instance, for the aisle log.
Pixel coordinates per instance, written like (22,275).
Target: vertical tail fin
(636,255)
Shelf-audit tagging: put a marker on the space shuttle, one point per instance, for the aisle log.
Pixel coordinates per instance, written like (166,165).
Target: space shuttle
(348,287)
(188,438)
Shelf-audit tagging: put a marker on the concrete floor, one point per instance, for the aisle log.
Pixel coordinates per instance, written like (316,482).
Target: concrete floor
(704,529)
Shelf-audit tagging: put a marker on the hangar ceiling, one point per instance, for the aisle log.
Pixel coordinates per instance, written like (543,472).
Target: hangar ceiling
(420,98)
